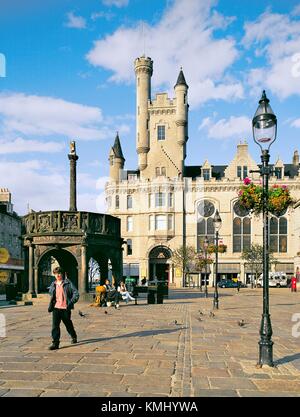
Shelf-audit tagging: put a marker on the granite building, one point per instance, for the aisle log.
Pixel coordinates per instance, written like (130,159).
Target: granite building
(165,204)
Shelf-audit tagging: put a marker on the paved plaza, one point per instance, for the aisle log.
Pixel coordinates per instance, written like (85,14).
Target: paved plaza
(167,350)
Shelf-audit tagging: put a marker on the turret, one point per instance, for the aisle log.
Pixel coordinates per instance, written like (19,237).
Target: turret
(296,159)
(181,89)
(116,160)
(143,70)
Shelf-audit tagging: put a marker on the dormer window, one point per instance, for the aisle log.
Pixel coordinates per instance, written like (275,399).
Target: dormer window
(206,174)
(242,172)
(161,132)
(278,173)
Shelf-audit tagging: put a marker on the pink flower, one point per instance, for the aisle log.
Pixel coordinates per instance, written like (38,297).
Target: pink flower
(247,181)
(284,187)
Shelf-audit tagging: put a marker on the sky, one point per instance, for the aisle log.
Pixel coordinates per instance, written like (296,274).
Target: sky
(67,73)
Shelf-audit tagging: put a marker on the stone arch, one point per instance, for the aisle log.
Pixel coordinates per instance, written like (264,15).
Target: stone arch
(64,258)
(160,262)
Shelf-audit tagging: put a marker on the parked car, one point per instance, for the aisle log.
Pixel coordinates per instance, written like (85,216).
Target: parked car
(277,279)
(228,283)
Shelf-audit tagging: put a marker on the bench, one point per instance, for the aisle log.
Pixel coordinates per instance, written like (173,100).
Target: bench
(138,289)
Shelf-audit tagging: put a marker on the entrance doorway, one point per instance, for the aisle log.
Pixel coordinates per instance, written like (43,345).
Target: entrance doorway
(159,263)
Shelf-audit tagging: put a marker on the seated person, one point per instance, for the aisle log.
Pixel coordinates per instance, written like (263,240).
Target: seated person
(124,293)
(144,281)
(111,293)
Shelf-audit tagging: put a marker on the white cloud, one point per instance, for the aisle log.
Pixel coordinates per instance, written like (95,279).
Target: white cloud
(41,116)
(76,22)
(117,3)
(190,42)
(102,15)
(20,145)
(296,123)
(46,187)
(280,47)
(233,127)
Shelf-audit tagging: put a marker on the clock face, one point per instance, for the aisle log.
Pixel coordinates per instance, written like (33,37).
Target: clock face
(206,208)
(239,210)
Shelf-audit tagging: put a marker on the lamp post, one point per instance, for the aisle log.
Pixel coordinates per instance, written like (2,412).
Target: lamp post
(205,246)
(217,224)
(264,125)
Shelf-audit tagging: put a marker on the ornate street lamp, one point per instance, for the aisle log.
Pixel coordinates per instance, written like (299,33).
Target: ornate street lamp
(264,126)
(217,224)
(205,246)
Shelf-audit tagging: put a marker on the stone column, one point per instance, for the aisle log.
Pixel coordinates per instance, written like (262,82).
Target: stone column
(82,281)
(30,269)
(73,159)
(36,280)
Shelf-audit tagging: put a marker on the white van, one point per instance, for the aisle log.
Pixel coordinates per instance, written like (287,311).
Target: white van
(276,279)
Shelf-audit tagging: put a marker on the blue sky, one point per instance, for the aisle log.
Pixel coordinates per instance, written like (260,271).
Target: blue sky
(69,76)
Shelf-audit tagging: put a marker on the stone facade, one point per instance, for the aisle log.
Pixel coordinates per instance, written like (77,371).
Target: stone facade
(165,204)
(10,233)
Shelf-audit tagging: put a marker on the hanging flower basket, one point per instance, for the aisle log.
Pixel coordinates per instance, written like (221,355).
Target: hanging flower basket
(251,198)
(221,248)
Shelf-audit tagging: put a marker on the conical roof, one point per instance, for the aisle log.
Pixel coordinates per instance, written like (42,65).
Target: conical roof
(181,79)
(117,148)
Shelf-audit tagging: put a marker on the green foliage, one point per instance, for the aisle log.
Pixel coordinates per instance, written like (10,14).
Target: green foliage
(251,198)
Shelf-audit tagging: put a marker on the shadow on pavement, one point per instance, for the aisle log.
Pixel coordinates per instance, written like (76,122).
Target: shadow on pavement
(287,359)
(135,334)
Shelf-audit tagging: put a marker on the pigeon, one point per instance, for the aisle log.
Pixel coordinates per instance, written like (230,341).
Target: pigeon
(177,324)
(211,314)
(241,323)
(105,312)
(81,314)
(200,312)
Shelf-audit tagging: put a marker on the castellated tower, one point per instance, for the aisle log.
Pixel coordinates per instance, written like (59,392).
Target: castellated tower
(161,125)
(116,160)
(143,71)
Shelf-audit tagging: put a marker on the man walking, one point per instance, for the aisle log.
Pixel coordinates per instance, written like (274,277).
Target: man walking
(63,297)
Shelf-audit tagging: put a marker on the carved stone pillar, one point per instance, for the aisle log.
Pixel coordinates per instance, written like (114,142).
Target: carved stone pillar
(30,269)
(82,281)
(36,280)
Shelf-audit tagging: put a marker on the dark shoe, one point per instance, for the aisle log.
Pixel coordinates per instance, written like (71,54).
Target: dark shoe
(54,346)
(74,340)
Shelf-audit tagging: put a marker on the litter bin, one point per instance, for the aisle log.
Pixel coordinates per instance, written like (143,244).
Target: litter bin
(152,292)
(160,291)
(11,291)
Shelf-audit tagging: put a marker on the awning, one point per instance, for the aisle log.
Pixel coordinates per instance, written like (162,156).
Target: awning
(287,268)
(228,268)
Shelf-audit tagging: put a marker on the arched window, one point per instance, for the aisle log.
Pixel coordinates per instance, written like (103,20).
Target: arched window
(278,234)
(241,229)
(205,224)
(129,201)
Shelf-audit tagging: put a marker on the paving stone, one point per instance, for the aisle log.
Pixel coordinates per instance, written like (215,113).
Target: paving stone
(277,385)
(88,377)
(129,370)
(3,391)
(234,383)
(215,393)
(25,376)
(59,393)
(60,367)
(211,372)
(23,393)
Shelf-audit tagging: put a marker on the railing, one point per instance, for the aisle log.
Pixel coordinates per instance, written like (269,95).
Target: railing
(67,222)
